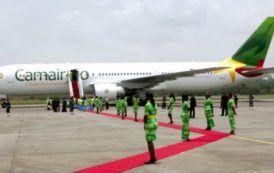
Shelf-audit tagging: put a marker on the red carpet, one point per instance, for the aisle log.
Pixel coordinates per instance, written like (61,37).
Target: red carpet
(138,160)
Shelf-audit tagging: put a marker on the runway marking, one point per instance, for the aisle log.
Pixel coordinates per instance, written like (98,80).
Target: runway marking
(138,160)
(253,140)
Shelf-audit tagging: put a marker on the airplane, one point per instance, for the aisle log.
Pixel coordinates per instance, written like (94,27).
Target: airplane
(113,79)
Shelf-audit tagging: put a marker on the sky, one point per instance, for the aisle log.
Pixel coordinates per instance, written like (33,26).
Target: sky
(86,31)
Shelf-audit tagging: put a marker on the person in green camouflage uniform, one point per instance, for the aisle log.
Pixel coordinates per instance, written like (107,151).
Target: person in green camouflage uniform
(208,112)
(185,117)
(97,103)
(150,126)
(231,112)
(101,104)
(90,103)
(49,103)
(135,106)
(170,107)
(126,104)
(123,107)
(118,105)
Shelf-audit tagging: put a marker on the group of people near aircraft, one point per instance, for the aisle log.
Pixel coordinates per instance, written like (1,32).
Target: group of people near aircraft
(150,118)
(189,106)
(83,104)
(54,103)
(121,106)
(150,114)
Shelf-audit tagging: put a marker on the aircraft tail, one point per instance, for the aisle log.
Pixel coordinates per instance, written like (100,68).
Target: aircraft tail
(254,50)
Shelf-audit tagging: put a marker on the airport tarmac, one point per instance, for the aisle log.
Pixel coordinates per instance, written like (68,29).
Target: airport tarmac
(33,140)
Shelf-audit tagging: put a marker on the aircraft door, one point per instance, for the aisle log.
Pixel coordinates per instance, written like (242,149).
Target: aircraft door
(75,84)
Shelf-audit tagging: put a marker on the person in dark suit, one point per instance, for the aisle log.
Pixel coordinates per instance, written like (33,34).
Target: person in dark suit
(71,104)
(193,104)
(251,98)
(58,104)
(8,106)
(54,105)
(235,100)
(224,100)
(164,102)
(64,105)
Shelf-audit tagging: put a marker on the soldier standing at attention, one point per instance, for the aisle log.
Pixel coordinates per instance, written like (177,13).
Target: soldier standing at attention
(135,106)
(208,112)
(185,117)
(170,107)
(231,113)
(150,126)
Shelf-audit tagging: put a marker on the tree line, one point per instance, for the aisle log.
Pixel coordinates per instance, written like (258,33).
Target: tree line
(259,86)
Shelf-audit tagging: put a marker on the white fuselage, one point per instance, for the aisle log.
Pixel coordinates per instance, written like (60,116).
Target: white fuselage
(35,79)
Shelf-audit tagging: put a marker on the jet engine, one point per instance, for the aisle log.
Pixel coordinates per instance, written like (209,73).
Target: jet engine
(107,90)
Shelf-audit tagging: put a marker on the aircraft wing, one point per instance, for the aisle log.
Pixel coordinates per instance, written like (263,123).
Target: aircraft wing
(259,71)
(149,81)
